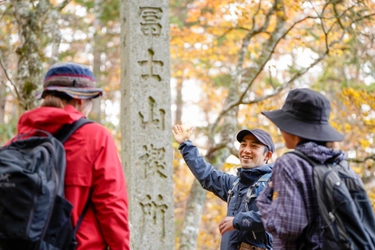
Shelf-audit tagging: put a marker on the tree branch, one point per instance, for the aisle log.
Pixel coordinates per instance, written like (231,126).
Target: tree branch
(63,4)
(240,100)
(14,89)
(371,157)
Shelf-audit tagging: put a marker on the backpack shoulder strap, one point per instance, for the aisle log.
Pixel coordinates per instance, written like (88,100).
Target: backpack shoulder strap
(67,130)
(62,135)
(230,192)
(254,191)
(302,155)
(262,182)
(265,177)
(74,242)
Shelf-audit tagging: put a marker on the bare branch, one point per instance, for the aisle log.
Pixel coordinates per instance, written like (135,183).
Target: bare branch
(242,52)
(257,12)
(216,148)
(231,29)
(63,4)
(14,89)
(240,100)
(291,80)
(4,13)
(364,17)
(371,157)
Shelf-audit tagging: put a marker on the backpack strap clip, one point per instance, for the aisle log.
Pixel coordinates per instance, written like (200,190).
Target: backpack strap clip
(230,192)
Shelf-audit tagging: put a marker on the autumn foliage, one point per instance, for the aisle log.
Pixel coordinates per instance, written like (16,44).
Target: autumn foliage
(246,55)
(230,60)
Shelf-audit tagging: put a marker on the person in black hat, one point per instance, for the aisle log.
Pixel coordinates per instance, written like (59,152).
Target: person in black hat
(242,228)
(303,121)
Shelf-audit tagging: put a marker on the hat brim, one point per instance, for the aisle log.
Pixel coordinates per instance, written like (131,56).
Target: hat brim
(76,93)
(243,133)
(313,131)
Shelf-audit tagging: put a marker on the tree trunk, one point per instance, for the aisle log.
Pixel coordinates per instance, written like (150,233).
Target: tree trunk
(96,110)
(2,101)
(29,66)
(226,125)
(194,210)
(179,102)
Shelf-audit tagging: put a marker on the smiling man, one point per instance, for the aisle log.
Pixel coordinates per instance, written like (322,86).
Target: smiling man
(242,228)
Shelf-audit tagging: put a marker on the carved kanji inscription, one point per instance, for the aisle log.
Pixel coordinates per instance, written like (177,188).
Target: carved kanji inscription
(154,116)
(150,67)
(150,24)
(153,161)
(154,212)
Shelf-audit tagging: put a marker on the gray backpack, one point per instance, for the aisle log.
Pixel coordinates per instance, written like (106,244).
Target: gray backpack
(344,206)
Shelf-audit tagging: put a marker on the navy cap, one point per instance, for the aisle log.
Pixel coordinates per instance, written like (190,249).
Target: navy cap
(260,134)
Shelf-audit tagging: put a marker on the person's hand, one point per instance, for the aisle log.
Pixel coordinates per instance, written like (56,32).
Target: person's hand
(181,134)
(226,225)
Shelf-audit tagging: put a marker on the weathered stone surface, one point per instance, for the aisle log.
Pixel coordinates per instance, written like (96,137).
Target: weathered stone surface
(146,122)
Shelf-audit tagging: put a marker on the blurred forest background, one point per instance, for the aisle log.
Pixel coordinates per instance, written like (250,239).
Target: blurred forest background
(229,61)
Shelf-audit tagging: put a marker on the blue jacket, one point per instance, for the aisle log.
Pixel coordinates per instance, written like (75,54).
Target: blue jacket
(247,222)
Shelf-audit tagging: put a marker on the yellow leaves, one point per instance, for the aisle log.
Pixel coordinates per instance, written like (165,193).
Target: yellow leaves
(347,127)
(357,169)
(364,143)
(229,167)
(337,52)
(281,14)
(371,194)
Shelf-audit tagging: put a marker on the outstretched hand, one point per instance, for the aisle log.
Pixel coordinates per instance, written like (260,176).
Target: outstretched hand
(181,134)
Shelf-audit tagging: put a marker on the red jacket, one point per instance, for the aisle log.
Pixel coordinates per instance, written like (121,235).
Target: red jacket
(92,163)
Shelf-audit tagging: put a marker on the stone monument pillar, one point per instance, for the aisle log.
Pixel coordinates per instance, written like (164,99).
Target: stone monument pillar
(146,122)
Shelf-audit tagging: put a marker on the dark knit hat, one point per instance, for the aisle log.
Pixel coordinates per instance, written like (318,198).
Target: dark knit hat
(261,136)
(73,79)
(305,113)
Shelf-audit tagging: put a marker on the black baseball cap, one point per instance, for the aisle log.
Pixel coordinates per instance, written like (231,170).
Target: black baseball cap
(260,134)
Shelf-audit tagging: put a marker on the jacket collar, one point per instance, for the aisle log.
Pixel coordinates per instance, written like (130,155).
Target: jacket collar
(321,153)
(251,175)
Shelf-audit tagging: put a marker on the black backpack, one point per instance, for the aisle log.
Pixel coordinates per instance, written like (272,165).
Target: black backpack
(344,206)
(33,211)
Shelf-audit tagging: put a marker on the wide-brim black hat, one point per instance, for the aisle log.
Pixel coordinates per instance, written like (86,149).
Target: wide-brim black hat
(305,113)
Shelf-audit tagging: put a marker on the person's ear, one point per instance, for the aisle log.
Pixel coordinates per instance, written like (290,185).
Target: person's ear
(268,156)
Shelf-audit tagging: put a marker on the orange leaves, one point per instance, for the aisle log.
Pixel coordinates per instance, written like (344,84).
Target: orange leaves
(228,48)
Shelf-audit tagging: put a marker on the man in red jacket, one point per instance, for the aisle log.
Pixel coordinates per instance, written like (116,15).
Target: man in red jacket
(93,171)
